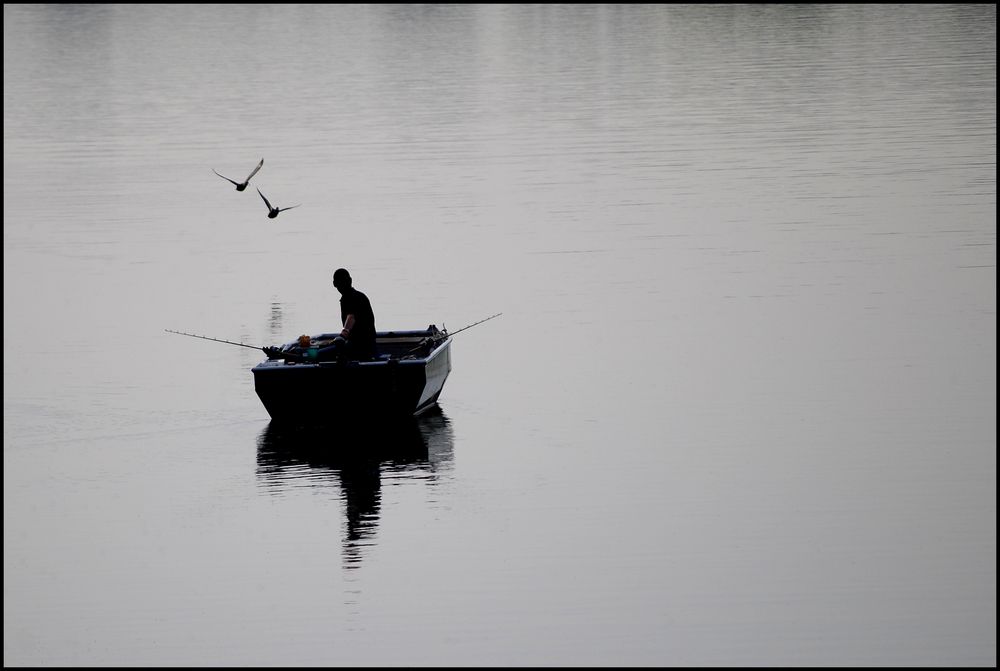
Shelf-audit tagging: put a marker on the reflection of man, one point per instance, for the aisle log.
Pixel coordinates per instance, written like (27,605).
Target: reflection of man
(357,316)
(361,483)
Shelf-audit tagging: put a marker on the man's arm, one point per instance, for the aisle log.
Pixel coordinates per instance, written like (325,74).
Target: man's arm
(348,326)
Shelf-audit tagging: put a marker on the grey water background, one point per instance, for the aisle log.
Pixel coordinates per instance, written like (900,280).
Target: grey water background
(739,408)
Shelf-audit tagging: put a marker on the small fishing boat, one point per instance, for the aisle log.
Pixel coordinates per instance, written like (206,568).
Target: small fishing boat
(313,381)
(404,378)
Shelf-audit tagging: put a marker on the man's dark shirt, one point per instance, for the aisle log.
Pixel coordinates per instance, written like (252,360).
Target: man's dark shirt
(362,337)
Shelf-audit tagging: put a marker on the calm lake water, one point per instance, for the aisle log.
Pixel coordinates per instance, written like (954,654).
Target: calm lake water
(739,408)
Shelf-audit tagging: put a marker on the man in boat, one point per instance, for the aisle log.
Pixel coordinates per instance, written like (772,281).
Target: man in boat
(357,317)
(357,338)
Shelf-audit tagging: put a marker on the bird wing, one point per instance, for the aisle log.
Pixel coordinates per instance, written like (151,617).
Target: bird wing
(259,165)
(224,177)
(282,209)
(265,200)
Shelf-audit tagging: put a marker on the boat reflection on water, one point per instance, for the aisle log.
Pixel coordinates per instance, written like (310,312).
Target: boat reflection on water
(354,461)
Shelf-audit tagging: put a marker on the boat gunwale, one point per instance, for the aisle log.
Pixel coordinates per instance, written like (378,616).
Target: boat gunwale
(280,364)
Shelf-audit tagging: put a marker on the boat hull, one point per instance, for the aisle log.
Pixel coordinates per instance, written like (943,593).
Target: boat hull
(331,391)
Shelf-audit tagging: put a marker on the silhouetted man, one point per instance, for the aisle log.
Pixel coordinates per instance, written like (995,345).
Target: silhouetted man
(357,317)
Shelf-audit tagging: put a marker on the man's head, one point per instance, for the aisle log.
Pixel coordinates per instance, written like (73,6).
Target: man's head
(342,280)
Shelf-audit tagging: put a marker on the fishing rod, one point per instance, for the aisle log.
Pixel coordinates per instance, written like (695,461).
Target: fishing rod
(471,325)
(445,334)
(230,342)
(241,344)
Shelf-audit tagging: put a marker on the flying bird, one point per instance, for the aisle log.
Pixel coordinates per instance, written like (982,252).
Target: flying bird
(273,211)
(240,187)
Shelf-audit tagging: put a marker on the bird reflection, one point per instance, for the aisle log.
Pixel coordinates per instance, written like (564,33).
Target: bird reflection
(355,461)
(275,322)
